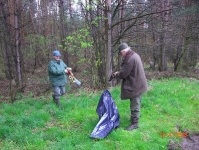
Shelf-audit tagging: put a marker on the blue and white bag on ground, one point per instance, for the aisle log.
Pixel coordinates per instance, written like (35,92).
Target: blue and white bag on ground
(109,117)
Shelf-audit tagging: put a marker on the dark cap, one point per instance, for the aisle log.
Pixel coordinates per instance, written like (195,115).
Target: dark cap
(122,46)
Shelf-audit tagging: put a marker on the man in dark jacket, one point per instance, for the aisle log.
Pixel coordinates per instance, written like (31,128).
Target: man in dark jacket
(57,76)
(134,82)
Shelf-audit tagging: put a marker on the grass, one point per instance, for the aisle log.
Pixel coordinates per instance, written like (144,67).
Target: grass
(37,124)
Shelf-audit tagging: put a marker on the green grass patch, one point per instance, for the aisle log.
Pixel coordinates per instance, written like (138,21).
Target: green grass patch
(169,104)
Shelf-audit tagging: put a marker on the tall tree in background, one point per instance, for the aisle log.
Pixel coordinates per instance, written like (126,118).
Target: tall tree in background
(108,32)
(162,63)
(17,20)
(5,38)
(63,18)
(12,33)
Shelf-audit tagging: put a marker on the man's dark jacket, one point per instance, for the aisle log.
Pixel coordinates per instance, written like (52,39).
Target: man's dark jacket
(134,82)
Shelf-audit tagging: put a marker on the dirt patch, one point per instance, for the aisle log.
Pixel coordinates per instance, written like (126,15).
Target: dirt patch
(191,142)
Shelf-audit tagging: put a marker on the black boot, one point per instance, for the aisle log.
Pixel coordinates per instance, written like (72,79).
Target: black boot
(56,101)
(134,124)
(53,98)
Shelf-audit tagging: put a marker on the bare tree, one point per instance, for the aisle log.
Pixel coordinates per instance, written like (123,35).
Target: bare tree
(17,7)
(109,38)
(62,29)
(164,5)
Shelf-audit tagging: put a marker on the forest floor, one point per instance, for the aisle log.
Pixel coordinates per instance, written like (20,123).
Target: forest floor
(190,142)
(37,87)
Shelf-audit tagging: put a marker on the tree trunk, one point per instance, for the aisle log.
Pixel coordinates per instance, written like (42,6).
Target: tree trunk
(162,66)
(62,30)
(17,43)
(6,48)
(109,41)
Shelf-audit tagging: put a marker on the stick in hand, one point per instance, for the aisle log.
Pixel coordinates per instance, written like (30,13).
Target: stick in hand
(71,76)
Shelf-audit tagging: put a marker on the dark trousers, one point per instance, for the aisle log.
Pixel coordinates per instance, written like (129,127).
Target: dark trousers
(135,104)
(59,91)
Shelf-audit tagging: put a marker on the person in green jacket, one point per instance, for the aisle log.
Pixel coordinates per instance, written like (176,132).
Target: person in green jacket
(57,76)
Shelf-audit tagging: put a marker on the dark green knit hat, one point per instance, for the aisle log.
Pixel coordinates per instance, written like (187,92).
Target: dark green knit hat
(122,46)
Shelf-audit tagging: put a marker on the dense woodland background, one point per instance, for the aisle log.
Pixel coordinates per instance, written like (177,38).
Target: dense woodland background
(163,32)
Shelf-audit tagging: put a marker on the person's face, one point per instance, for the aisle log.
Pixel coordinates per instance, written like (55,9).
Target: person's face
(123,53)
(57,58)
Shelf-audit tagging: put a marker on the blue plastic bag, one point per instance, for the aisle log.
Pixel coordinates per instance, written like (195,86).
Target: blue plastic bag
(109,117)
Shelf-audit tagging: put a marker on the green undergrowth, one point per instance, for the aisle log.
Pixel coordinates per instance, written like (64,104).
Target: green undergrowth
(169,109)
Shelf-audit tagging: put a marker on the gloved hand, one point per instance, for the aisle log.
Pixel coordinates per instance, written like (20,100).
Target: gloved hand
(68,68)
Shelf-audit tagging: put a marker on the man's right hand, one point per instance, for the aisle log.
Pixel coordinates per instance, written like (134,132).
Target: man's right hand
(114,74)
(111,77)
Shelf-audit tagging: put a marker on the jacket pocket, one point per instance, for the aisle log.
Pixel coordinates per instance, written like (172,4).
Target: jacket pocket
(129,88)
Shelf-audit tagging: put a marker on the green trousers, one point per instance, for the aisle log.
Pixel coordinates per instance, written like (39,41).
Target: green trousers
(135,104)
